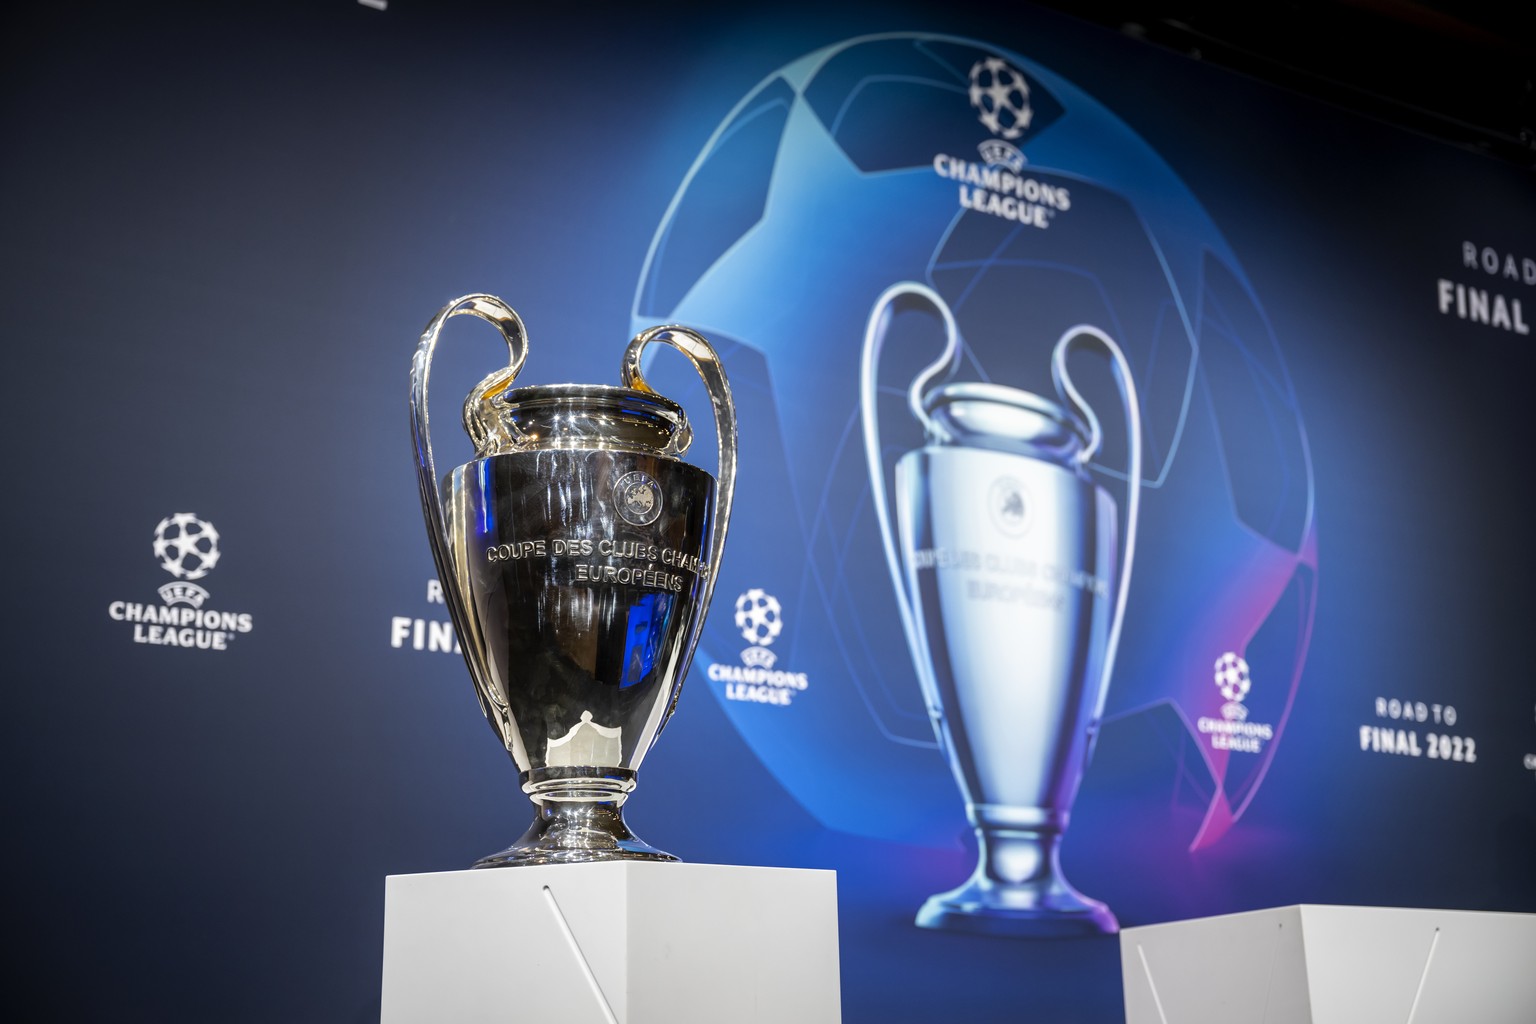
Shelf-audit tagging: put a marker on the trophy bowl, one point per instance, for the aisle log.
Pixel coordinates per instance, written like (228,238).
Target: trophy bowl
(578,554)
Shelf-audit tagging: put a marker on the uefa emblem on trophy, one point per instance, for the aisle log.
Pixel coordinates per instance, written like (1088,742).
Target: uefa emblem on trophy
(578,554)
(1003,555)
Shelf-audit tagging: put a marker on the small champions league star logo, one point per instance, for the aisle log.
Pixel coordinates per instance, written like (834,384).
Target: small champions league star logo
(1001,97)
(186,546)
(1233,681)
(637,499)
(760,620)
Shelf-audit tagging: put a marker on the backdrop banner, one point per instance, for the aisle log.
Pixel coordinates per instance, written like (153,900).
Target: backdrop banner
(1129,526)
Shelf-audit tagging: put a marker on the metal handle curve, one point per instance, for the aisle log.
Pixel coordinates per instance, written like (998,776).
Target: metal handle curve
(1132,407)
(483,426)
(505,319)
(449,572)
(707,364)
(906,294)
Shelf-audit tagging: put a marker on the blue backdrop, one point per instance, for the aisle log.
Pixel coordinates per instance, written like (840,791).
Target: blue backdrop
(227,224)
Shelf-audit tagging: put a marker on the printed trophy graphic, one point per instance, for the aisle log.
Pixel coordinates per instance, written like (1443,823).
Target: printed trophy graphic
(578,554)
(1003,557)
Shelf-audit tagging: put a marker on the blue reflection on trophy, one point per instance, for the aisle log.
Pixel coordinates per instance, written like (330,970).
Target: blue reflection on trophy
(1003,556)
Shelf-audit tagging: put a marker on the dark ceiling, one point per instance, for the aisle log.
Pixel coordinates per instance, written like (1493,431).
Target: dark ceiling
(1463,71)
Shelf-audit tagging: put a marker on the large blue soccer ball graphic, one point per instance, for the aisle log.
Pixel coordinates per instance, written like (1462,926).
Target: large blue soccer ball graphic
(1029,208)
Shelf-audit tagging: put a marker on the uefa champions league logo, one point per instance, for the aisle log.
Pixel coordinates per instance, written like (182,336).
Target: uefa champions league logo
(997,186)
(1234,732)
(1001,97)
(760,620)
(637,499)
(187,547)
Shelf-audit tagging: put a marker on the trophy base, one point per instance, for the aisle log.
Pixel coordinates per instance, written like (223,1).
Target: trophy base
(575,832)
(1021,911)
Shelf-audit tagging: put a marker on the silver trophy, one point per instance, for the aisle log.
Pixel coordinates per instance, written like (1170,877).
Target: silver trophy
(577,554)
(1003,557)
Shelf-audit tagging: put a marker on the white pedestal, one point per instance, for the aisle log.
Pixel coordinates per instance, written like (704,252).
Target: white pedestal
(612,943)
(1333,965)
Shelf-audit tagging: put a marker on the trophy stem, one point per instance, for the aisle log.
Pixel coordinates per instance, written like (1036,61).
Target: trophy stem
(1018,889)
(580,819)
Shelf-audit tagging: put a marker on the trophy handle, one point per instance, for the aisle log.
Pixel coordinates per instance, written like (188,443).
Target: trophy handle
(1132,406)
(903,295)
(706,362)
(453,572)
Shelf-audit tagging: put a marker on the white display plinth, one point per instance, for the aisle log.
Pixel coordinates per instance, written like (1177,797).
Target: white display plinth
(1333,965)
(612,943)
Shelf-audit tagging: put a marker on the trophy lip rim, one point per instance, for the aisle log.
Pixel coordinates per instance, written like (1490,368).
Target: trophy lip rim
(531,393)
(1003,394)
(546,403)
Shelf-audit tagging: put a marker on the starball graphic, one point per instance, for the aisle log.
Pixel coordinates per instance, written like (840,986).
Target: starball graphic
(760,620)
(1001,97)
(187,547)
(1029,207)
